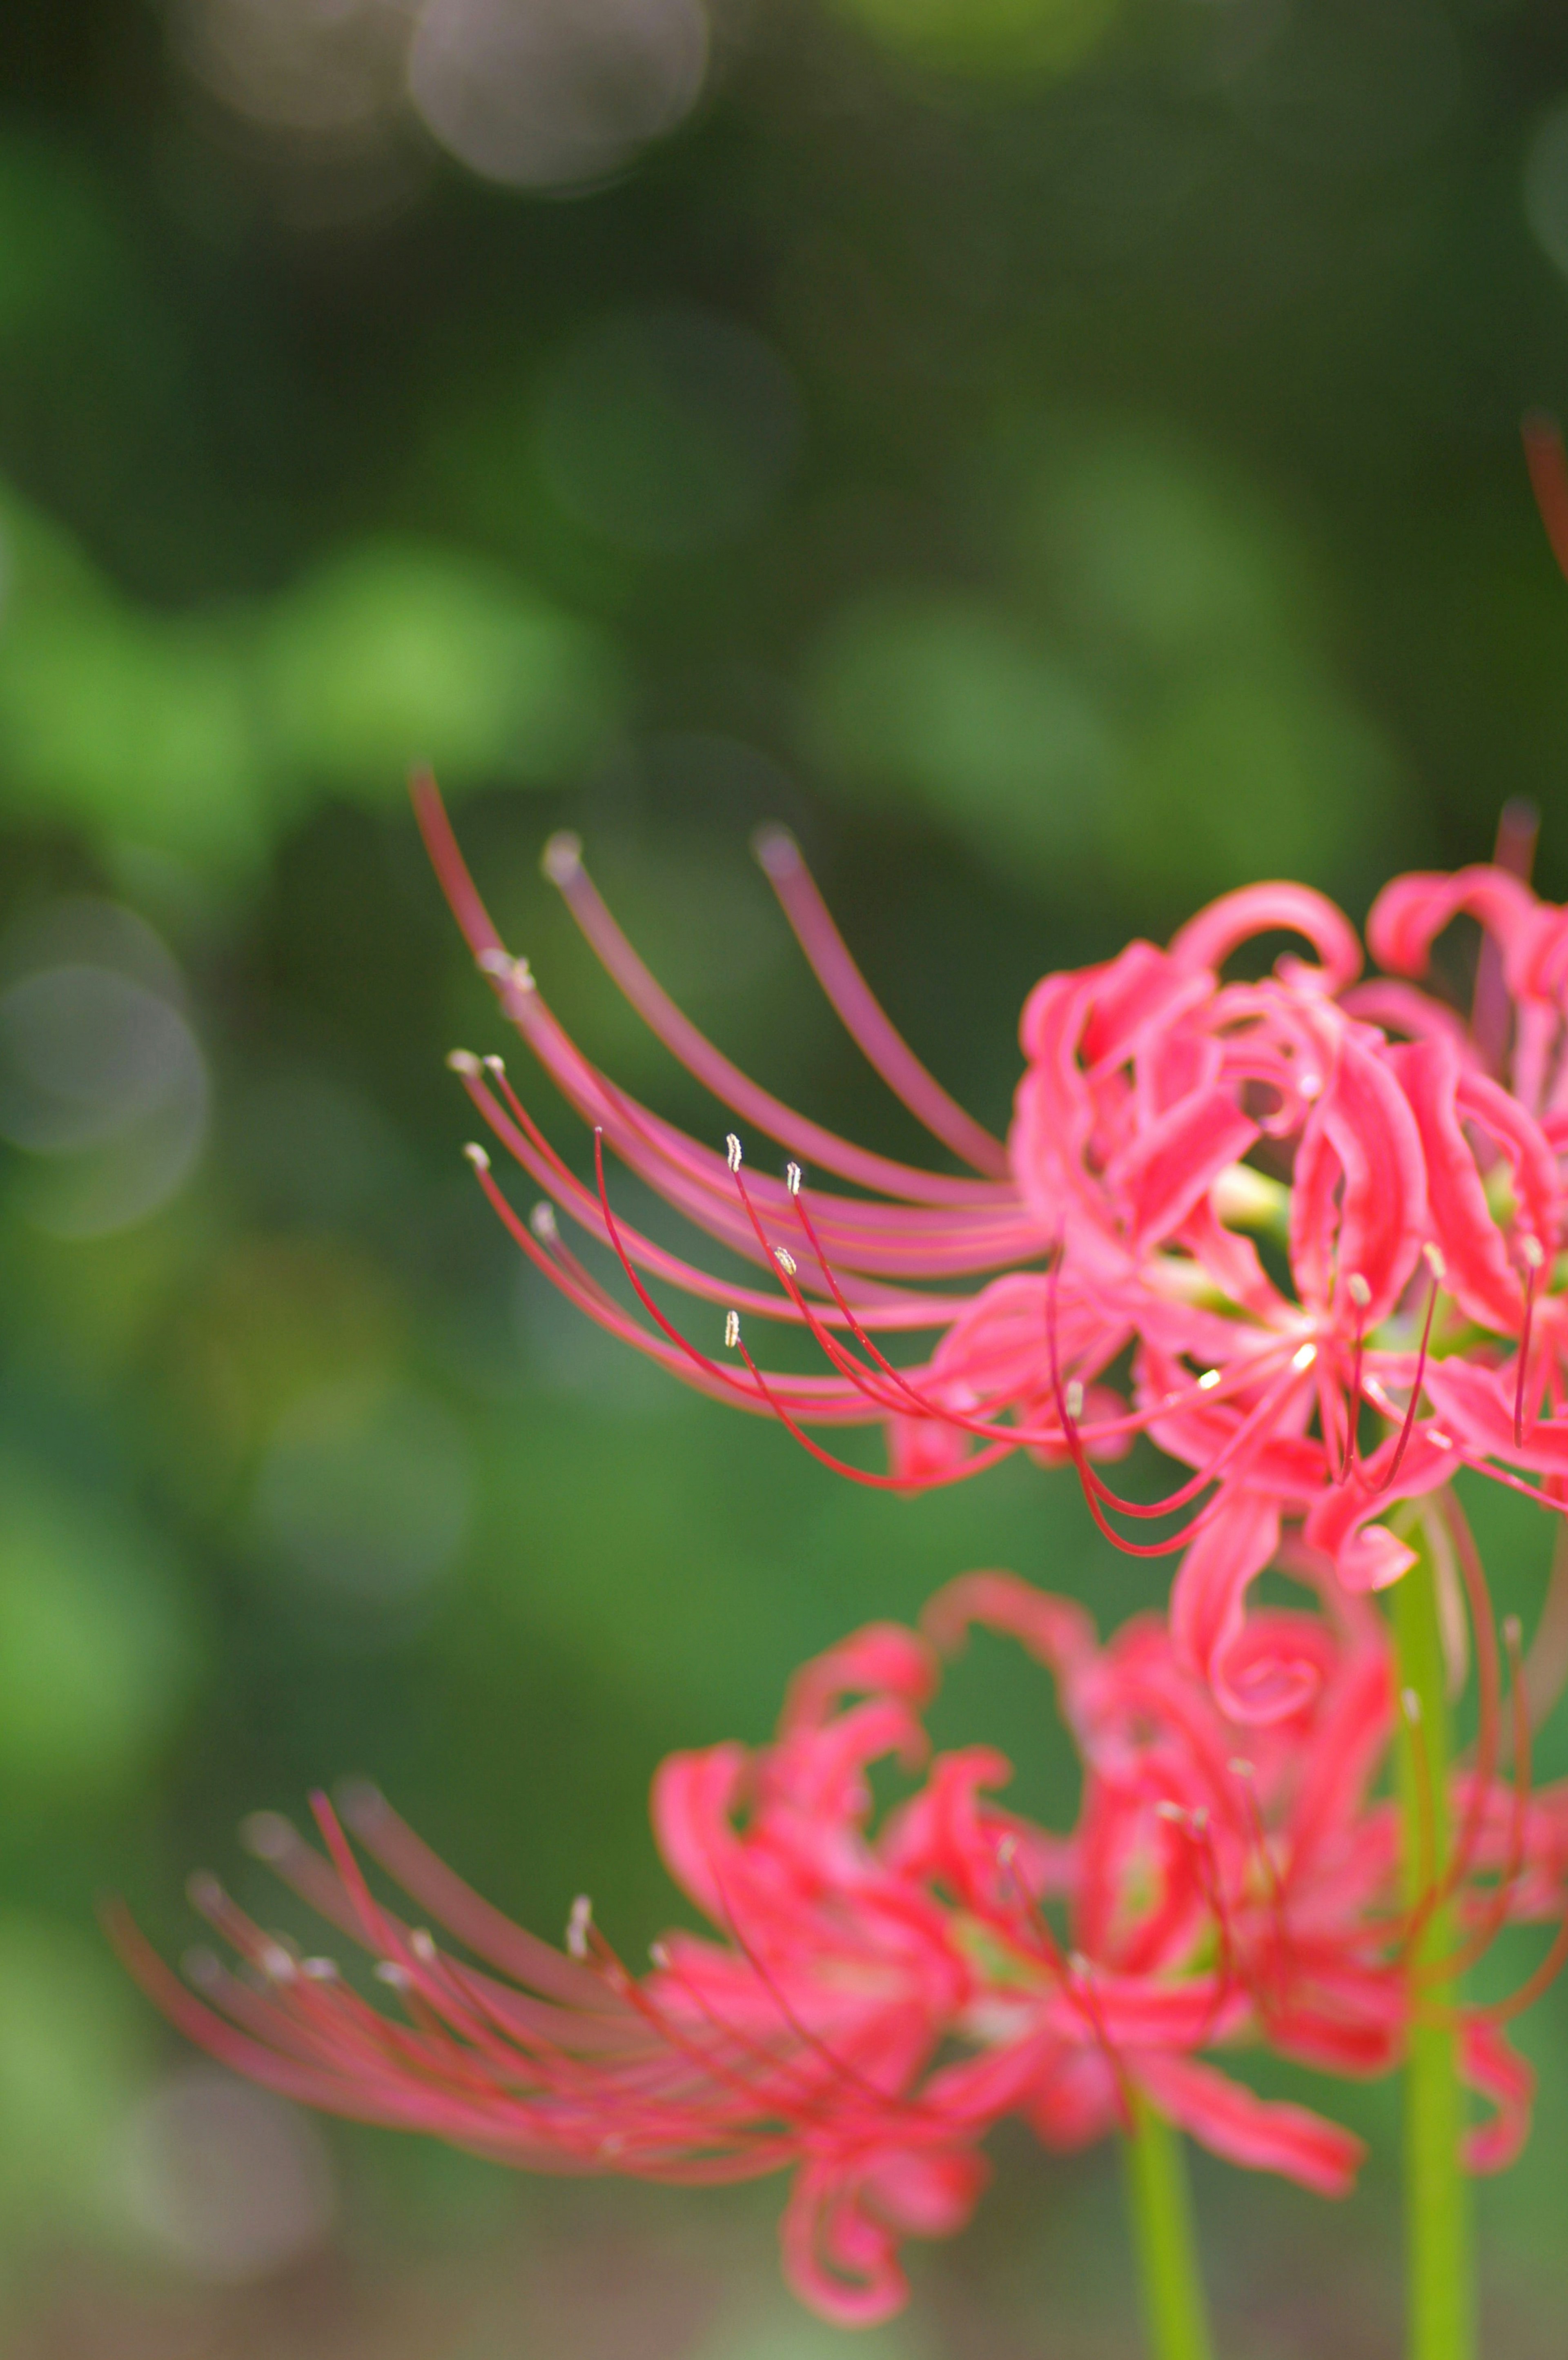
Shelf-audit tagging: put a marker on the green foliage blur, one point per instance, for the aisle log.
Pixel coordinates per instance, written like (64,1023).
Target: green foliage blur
(1061,456)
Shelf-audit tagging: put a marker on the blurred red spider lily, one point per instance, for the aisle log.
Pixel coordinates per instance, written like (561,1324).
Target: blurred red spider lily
(1401,1164)
(879,1996)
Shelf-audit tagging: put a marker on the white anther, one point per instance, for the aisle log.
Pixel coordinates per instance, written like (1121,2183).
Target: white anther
(202,1966)
(541,1221)
(1360,1294)
(562,856)
(1208,1381)
(462,1060)
(1175,1812)
(1513,1630)
(791,1178)
(266,1834)
(1432,1255)
(495,961)
(1532,1251)
(1311,1087)
(320,1971)
(1304,1357)
(1074,1401)
(521,976)
(777,850)
(1079,1965)
(1239,1767)
(1438,1439)
(659,1954)
(1006,1851)
(578,1924)
(477,1156)
(732,1151)
(387,1971)
(1200,1820)
(421,1942)
(494,1065)
(203,1893)
(278,1962)
(1410,1704)
(785,1260)
(731,1330)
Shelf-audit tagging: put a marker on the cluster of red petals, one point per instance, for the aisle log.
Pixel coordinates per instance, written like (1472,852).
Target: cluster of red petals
(875,1997)
(1099,1275)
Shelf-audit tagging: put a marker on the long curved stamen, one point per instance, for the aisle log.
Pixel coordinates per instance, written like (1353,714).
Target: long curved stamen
(846,2072)
(940,1225)
(864,1019)
(564,867)
(1194,1826)
(1481,1465)
(557,1267)
(1493,1917)
(1104,1430)
(873,1483)
(1080,1987)
(1094,1489)
(1533,1256)
(669,2031)
(1426,1822)
(1408,1426)
(760,1390)
(895,1307)
(1257,1833)
(1360,1295)
(1489,1685)
(1503,2011)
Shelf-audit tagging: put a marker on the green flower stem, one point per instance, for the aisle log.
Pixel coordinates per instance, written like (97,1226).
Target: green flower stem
(1440,2323)
(1176,2315)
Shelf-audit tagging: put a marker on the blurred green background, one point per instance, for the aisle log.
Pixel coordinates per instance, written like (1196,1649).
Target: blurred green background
(1059,455)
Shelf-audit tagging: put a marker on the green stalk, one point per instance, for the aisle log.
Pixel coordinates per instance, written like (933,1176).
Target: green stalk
(1440,2323)
(1176,2315)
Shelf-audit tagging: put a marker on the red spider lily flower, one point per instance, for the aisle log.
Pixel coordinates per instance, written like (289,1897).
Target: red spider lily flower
(1413,1192)
(877,1997)
(1270,1878)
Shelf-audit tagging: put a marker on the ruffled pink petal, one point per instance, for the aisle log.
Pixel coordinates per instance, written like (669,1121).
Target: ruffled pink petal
(1343,1521)
(882,1659)
(1477,1406)
(1208,1609)
(1411,912)
(1359,1203)
(1175,1160)
(1490,2064)
(1478,1273)
(1058,1631)
(845,2220)
(1208,940)
(693,1801)
(1260,2134)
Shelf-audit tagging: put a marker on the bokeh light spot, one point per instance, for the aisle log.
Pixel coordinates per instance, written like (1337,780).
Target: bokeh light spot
(101,1076)
(300,65)
(547,93)
(229,2181)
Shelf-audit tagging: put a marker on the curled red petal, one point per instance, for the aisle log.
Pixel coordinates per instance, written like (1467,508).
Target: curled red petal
(1260,2134)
